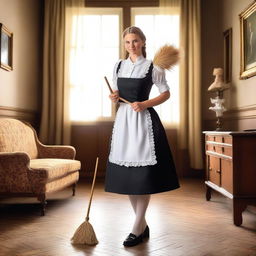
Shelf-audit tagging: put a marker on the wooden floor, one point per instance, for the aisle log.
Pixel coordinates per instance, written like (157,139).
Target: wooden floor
(181,222)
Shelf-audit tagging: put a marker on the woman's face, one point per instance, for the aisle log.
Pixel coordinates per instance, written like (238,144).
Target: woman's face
(133,44)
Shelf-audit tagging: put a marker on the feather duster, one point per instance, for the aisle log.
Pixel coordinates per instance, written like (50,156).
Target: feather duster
(166,57)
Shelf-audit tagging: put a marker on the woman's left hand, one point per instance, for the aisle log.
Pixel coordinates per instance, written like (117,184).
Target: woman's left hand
(138,106)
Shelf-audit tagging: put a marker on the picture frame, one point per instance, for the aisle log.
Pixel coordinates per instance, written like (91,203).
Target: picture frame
(227,35)
(6,48)
(248,42)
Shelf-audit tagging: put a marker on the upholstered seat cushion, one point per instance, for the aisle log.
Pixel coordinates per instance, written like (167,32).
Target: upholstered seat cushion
(51,168)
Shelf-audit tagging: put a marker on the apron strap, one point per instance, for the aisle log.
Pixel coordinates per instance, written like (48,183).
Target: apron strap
(118,67)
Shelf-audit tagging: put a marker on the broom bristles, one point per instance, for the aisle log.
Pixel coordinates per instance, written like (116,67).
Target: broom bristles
(84,235)
(166,57)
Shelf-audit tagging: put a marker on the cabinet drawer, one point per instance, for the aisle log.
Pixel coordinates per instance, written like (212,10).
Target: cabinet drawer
(224,150)
(211,147)
(224,139)
(214,169)
(210,138)
(227,175)
(227,139)
(219,138)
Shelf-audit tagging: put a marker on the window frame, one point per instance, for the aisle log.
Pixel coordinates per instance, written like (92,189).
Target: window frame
(126,6)
(156,10)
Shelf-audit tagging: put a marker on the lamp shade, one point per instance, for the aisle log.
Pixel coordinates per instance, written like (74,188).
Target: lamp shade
(218,84)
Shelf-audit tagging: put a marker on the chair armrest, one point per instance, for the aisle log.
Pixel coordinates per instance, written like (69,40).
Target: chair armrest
(53,151)
(11,158)
(14,168)
(48,151)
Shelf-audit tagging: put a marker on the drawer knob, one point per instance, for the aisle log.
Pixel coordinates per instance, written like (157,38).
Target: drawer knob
(218,171)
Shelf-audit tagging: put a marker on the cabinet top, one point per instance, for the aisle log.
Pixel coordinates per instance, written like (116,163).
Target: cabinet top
(233,133)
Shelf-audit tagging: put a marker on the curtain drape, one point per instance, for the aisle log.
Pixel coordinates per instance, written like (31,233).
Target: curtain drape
(55,120)
(190,82)
(189,129)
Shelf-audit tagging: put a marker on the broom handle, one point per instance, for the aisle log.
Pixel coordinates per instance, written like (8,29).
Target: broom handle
(92,189)
(110,89)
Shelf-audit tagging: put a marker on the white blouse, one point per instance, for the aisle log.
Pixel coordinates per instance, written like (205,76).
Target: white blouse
(139,69)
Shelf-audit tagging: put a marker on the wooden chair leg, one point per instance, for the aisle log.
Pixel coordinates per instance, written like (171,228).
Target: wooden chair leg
(208,194)
(74,189)
(42,198)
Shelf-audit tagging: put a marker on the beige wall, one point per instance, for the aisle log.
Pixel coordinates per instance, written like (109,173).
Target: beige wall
(211,46)
(21,87)
(217,16)
(243,91)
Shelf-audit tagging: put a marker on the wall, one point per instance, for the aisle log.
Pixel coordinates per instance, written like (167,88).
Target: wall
(217,16)
(20,89)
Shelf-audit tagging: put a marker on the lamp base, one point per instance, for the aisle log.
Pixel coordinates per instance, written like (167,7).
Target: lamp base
(218,124)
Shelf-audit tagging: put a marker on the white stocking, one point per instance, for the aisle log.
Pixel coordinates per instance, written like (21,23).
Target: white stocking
(139,204)
(133,200)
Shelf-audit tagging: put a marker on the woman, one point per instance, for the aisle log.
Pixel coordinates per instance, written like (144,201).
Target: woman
(140,161)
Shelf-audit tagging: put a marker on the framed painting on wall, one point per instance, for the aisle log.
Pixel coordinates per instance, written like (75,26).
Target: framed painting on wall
(248,42)
(6,48)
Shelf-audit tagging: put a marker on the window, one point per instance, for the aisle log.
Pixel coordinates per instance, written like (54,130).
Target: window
(160,29)
(95,48)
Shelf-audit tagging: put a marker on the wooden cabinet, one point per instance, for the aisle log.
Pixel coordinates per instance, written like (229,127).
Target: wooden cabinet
(231,168)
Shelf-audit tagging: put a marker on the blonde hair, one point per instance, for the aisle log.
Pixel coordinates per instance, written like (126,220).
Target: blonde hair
(137,31)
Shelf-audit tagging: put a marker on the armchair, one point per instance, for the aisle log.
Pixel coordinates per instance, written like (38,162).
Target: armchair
(29,168)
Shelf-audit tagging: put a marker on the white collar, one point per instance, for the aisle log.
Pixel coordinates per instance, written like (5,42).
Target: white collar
(138,61)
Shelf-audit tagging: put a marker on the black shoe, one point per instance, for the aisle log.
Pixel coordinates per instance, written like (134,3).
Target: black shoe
(132,240)
(145,234)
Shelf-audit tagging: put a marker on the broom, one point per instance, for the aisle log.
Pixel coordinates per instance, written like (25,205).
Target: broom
(166,57)
(85,233)
(111,91)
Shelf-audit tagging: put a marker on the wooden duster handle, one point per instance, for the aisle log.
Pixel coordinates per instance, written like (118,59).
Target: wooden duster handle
(92,189)
(110,89)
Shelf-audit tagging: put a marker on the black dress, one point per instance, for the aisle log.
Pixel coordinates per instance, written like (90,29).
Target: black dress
(160,174)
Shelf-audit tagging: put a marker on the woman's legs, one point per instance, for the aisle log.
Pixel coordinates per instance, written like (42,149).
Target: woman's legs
(133,200)
(139,204)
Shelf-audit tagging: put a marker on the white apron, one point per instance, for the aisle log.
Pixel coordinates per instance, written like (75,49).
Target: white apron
(132,139)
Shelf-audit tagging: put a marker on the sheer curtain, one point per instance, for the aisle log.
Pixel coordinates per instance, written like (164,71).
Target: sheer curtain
(189,129)
(94,49)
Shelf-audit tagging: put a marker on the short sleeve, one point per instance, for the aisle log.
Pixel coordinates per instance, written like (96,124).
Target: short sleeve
(114,86)
(158,78)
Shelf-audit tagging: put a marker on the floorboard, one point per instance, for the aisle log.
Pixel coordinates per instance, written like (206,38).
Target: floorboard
(181,223)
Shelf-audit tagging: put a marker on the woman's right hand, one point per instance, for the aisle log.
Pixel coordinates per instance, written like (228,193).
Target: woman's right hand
(114,96)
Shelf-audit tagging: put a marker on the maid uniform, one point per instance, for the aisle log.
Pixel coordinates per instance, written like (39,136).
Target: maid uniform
(140,160)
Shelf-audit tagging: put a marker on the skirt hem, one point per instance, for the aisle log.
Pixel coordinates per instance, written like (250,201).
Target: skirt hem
(142,193)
